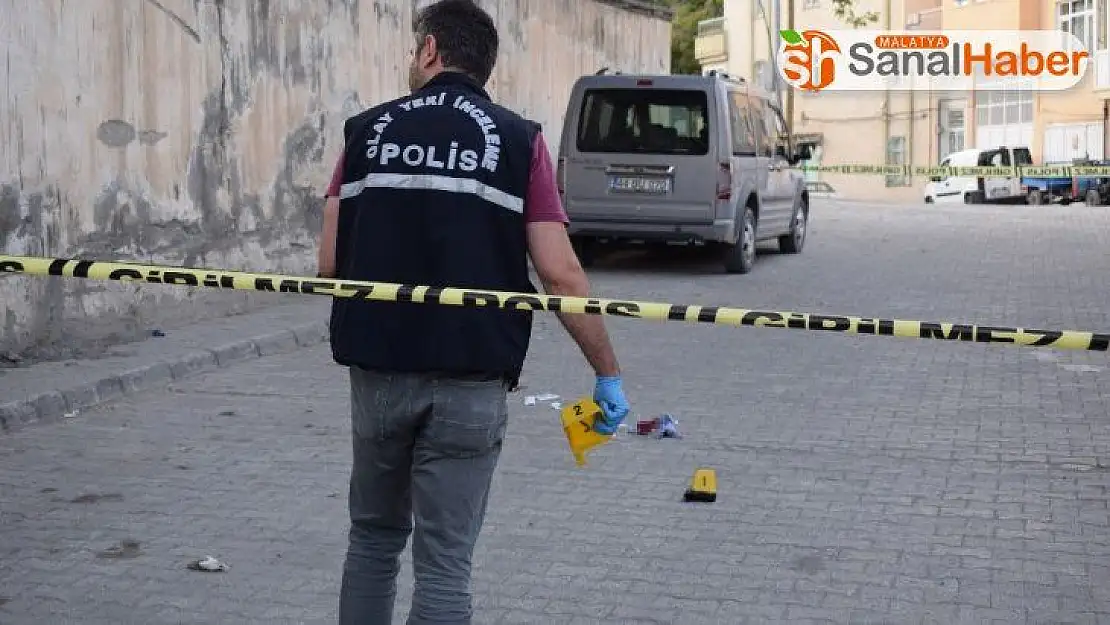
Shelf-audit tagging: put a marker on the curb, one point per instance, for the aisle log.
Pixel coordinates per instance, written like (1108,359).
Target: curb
(53,406)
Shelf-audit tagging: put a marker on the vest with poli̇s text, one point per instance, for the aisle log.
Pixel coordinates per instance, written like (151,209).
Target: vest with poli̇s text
(433,195)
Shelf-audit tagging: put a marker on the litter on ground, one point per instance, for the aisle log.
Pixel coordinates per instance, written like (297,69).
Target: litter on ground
(208,565)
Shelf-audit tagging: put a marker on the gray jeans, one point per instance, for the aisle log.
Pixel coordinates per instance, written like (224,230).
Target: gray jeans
(425,449)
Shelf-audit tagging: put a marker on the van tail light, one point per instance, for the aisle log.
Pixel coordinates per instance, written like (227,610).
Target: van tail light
(724,182)
(1074,186)
(560,175)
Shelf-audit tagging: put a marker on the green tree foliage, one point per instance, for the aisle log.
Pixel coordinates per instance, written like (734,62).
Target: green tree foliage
(687,14)
(845,10)
(684,28)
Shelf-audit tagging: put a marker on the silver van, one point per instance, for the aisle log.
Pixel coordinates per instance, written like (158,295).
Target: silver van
(673,158)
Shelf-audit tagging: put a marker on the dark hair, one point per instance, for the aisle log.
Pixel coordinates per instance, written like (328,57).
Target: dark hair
(466,36)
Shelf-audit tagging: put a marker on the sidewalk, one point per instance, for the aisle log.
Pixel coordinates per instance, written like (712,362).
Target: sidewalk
(51,391)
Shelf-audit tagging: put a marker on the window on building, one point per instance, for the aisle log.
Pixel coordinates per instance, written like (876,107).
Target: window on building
(1101,19)
(762,72)
(952,126)
(1012,105)
(811,4)
(955,141)
(896,155)
(1077,17)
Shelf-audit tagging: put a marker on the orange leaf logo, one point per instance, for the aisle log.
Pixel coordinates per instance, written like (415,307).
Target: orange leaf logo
(808,59)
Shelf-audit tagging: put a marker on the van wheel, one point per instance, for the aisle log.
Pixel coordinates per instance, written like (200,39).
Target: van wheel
(928,199)
(740,256)
(1035,197)
(792,243)
(586,250)
(974,197)
(1093,198)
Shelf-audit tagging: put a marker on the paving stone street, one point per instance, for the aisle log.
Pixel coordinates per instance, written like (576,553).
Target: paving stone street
(861,479)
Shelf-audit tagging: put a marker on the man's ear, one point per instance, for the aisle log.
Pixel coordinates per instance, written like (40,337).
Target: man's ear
(429,51)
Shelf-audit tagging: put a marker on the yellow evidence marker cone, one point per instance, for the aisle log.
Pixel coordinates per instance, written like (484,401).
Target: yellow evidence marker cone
(703,486)
(578,424)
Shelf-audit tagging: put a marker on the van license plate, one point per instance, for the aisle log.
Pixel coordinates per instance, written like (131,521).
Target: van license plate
(633,184)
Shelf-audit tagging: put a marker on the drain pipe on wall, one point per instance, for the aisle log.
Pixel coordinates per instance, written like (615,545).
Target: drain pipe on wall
(751,40)
(776,20)
(886,92)
(1105,125)
(913,123)
(933,123)
(909,141)
(789,89)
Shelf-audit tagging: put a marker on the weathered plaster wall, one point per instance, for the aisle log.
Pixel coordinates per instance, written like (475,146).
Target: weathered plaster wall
(202,132)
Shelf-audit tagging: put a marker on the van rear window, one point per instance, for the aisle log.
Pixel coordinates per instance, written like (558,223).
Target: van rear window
(644,121)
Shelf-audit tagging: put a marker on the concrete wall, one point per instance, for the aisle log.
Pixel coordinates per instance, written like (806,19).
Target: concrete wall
(203,132)
(747,35)
(994,15)
(853,125)
(1074,116)
(1072,119)
(917,114)
(850,124)
(856,126)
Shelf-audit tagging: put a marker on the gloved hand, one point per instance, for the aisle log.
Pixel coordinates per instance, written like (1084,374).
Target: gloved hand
(614,407)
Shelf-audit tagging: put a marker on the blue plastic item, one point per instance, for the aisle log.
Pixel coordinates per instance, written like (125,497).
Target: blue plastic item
(668,427)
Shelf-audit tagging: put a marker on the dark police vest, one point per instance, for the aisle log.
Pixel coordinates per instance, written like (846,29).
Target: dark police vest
(433,195)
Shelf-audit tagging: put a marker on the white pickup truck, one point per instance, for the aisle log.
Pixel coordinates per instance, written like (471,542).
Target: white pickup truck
(979,190)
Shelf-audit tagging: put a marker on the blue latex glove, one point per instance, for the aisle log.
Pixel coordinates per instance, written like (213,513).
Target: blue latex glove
(614,407)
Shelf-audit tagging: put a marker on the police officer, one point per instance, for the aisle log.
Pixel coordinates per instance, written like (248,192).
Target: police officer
(441,188)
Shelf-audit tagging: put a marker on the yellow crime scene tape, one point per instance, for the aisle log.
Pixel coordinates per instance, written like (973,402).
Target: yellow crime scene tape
(452,296)
(1044,171)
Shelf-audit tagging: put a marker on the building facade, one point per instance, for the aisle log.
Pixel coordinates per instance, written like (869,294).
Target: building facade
(1073,124)
(922,127)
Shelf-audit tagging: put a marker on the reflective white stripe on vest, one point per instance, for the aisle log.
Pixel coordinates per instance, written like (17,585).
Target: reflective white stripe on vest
(434,183)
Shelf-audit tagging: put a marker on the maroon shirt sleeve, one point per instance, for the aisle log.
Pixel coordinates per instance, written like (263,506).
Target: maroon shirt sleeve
(336,179)
(542,202)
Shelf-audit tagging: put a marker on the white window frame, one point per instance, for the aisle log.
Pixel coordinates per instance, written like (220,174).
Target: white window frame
(809,5)
(1004,108)
(1013,105)
(896,155)
(955,136)
(1102,25)
(1071,14)
(950,134)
